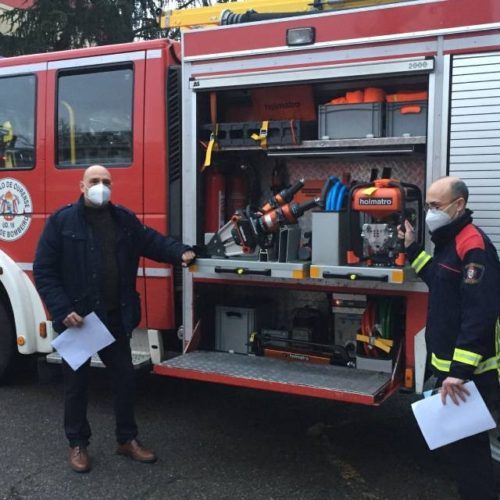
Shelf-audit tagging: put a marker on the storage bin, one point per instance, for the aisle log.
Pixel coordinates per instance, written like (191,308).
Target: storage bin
(294,102)
(350,121)
(406,118)
(233,326)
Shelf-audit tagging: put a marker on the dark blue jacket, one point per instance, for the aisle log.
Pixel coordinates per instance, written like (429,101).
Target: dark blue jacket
(67,263)
(463,276)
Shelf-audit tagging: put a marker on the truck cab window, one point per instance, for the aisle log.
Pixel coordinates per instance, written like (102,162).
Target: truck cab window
(94,117)
(17,122)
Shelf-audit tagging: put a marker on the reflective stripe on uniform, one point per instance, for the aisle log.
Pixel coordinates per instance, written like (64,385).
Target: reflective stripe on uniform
(466,357)
(497,345)
(421,261)
(497,337)
(443,365)
(490,364)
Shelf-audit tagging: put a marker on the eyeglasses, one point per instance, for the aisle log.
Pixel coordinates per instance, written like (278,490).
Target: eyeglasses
(439,206)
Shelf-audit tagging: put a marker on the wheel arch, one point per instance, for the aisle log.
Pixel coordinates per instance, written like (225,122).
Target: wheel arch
(26,306)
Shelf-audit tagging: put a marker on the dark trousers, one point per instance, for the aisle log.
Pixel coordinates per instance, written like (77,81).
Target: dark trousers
(118,360)
(470,458)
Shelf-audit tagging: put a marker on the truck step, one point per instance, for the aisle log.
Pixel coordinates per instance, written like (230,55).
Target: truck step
(323,381)
(139,360)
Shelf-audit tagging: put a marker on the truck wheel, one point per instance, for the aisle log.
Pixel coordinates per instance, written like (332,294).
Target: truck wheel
(7,341)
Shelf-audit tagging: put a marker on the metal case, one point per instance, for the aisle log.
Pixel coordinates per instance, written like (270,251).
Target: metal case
(329,238)
(233,325)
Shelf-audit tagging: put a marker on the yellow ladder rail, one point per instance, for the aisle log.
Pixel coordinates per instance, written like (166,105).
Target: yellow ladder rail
(210,16)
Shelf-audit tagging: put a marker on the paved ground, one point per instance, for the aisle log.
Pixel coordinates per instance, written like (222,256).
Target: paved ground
(217,442)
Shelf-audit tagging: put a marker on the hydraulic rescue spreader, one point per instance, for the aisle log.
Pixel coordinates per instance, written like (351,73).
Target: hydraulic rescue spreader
(248,229)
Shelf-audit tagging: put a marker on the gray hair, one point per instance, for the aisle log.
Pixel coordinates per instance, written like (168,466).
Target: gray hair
(459,190)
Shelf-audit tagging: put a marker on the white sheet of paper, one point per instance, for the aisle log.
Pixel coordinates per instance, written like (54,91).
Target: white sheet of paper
(77,344)
(444,424)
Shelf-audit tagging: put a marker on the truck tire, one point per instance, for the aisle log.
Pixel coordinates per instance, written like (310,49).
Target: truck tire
(7,341)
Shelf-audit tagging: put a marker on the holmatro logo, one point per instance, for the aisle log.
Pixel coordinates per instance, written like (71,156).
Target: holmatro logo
(375,201)
(15,209)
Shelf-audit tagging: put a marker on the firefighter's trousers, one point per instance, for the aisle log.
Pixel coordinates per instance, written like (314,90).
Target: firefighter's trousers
(470,458)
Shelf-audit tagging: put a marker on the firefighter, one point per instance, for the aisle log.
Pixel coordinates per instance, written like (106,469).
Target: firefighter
(8,140)
(87,260)
(462,331)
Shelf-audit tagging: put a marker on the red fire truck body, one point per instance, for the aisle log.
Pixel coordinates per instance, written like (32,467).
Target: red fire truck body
(48,182)
(119,106)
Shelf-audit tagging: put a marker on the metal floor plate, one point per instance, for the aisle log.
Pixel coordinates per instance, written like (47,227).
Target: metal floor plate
(325,377)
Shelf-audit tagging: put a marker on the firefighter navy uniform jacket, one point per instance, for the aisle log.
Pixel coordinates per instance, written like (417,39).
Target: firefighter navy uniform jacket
(463,276)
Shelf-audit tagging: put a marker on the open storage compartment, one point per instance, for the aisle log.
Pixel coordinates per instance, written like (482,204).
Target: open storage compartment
(325,343)
(283,231)
(268,155)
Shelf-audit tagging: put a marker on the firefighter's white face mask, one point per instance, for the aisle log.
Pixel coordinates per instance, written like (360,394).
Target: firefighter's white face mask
(436,217)
(99,194)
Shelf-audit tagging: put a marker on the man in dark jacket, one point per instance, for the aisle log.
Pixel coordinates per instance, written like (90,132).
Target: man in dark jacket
(462,332)
(87,260)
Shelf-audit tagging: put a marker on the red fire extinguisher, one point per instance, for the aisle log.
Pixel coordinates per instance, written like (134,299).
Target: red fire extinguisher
(215,200)
(236,193)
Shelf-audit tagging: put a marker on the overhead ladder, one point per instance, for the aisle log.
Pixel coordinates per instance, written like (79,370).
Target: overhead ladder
(220,14)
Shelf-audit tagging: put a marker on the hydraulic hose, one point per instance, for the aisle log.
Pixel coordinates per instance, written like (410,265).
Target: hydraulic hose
(250,16)
(335,194)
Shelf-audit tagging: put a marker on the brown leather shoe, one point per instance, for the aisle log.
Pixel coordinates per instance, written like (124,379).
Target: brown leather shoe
(136,451)
(79,459)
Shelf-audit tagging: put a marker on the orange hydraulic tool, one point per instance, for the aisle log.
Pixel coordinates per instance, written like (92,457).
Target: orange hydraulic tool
(283,197)
(249,228)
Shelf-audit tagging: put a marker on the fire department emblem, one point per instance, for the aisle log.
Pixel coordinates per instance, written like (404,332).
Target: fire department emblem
(473,273)
(15,209)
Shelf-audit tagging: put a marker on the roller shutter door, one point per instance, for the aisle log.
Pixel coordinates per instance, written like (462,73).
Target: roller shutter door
(475,135)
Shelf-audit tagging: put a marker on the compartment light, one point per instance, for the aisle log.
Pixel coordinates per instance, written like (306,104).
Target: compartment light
(300,36)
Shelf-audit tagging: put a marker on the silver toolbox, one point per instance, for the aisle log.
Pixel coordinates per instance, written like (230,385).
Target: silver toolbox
(233,326)
(329,238)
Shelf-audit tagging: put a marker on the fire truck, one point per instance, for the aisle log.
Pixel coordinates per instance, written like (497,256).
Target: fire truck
(287,149)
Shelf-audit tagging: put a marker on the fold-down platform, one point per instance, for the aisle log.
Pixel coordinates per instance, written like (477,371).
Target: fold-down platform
(322,381)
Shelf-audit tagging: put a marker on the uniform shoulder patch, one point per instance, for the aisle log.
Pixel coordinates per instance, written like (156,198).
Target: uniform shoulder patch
(469,238)
(473,273)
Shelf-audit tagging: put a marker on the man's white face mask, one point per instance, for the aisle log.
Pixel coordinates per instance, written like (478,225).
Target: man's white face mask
(99,194)
(436,218)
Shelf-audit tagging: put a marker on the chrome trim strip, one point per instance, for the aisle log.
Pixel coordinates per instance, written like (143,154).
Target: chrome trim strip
(97,60)
(22,69)
(149,272)
(404,65)
(154,272)
(153,54)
